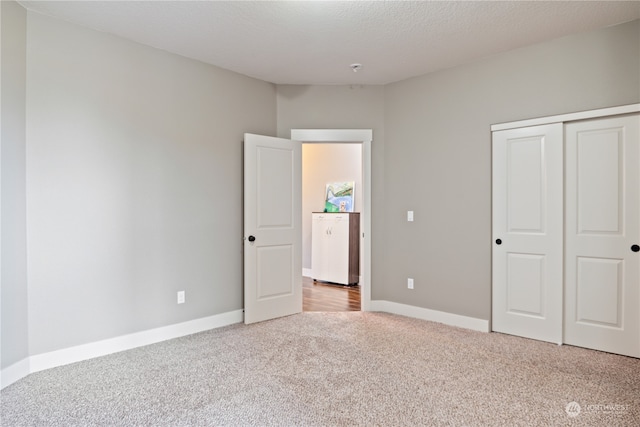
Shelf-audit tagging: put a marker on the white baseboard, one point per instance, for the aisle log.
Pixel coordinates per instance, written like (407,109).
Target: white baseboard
(69,355)
(307,272)
(15,372)
(431,315)
(78,353)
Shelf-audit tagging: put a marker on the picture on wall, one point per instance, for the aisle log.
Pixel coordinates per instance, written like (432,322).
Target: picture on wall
(339,197)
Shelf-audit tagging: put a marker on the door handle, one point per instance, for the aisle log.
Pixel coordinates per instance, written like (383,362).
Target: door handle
(498,241)
(635,248)
(252,238)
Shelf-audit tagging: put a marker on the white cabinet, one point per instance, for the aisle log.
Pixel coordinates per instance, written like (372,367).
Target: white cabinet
(566,260)
(335,247)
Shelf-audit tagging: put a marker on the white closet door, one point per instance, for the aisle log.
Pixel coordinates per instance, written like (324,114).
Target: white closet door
(602,225)
(527,232)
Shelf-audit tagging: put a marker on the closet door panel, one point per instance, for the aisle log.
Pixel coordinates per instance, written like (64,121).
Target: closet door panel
(598,175)
(527,232)
(599,291)
(525,177)
(602,277)
(526,284)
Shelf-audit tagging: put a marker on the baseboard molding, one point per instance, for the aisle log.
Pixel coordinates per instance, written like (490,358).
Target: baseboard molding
(307,272)
(431,315)
(15,372)
(79,353)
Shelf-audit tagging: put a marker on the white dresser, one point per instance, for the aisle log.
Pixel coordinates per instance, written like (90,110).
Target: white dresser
(335,247)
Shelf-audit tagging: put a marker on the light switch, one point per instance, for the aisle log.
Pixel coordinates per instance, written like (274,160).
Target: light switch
(410,216)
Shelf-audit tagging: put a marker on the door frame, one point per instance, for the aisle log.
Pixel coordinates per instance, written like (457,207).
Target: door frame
(364,137)
(569,117)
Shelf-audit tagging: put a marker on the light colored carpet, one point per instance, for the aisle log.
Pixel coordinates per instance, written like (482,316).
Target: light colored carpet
(335,369)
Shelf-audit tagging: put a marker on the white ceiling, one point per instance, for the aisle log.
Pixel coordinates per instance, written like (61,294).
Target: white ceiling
(314,42)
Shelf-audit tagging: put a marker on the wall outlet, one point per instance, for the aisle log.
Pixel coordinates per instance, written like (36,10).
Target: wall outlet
(410,216)
(181,297)
(410,283)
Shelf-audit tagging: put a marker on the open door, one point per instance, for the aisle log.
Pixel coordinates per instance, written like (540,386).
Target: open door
(272,227)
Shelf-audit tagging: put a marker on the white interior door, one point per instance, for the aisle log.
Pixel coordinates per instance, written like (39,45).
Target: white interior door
(272,227)
(602,225)
(527,232)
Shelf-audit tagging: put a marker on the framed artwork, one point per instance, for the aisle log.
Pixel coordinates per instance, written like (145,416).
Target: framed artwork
(339,197)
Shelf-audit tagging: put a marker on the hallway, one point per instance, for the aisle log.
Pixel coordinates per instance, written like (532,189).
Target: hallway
(319,296)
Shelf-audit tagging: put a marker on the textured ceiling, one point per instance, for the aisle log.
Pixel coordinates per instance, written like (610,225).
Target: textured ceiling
(314,42)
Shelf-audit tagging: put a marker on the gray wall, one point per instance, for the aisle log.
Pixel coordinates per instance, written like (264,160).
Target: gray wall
(438,156)
(133,184)
(14,332)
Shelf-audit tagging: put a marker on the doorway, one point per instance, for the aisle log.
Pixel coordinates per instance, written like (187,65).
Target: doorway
(329,150)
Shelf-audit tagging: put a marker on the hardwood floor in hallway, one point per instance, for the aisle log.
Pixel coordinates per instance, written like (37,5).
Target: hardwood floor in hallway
(320,296)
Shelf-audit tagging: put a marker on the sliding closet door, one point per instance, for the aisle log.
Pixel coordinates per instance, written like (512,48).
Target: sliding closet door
(527,232)
(602,233)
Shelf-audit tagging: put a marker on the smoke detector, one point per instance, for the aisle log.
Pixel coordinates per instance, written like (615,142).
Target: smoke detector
(356,67)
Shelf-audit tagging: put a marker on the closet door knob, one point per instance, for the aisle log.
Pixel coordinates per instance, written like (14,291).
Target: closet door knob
(498,242)
(635,248)
(252,238)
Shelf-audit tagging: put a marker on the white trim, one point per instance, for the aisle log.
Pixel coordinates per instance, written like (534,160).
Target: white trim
(570,117)
(78,353)
(431,315)
(69,355)
(364,136)
(332,135)
(365,275)
(4,373)
(127,342)
(15,372)
(307,272)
